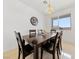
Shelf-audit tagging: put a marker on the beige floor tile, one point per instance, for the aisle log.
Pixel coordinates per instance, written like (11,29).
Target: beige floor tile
(67,49)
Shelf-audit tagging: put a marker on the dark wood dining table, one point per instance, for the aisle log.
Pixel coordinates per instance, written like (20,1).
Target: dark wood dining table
(37,42)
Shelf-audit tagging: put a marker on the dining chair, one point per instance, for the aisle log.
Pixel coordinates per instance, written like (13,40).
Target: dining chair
(23,49)
(59,44)
(47,47)
(52,31)
(32,33)
(40,32)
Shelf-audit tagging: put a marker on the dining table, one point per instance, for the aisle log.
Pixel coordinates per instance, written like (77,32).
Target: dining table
(38,41)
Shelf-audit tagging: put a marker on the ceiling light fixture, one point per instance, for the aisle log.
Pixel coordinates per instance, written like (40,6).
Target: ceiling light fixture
(50,9)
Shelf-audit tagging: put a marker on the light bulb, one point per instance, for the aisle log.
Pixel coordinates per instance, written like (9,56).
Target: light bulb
(50,9)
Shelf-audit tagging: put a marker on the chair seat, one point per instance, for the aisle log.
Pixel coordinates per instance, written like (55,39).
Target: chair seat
(49,51)
(48,44)
(28,49)
(48,47)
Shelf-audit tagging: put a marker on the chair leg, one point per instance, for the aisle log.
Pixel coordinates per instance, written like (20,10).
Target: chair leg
(53,55)
(58,53)
(41,53)
(19,55)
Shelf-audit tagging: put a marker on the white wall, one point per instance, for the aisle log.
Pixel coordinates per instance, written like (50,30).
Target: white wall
(68,35)
(17,17)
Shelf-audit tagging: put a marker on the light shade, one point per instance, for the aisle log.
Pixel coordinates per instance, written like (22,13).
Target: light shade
(50,9)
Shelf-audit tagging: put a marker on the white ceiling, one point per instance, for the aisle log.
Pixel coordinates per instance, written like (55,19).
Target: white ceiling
(41,7)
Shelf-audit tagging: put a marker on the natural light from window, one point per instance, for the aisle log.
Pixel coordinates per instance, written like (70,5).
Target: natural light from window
(64,22)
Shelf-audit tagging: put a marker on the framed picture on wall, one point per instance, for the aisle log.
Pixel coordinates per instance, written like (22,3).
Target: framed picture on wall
(34,21)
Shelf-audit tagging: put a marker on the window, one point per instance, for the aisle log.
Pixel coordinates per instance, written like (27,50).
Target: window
(63,22)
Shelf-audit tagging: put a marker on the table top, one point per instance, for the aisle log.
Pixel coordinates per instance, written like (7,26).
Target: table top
(39,38)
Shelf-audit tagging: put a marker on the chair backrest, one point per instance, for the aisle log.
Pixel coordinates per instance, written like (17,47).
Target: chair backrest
(19,40)
(60,39)
(32,33)
(40,32)
(52,31)
(55,41)
(60,35)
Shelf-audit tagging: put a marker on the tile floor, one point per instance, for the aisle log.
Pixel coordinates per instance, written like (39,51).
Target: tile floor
(68,53)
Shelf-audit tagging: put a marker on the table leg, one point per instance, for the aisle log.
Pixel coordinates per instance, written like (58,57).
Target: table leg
(36,54)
